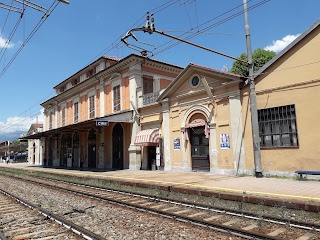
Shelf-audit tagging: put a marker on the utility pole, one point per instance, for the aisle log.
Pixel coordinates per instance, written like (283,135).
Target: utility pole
(253,100)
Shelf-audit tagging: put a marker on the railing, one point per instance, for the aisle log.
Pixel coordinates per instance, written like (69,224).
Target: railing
(150,98)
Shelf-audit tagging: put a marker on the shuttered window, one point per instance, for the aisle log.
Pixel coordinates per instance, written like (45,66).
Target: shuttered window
(76,112)
(116,99)
(91,107)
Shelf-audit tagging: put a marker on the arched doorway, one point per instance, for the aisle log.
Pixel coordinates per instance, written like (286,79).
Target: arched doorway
(63,151)
(50,152)
(199,149)
(92,149)
(66,150)
(76,150)
(34,153)
(198,130)
(117,147)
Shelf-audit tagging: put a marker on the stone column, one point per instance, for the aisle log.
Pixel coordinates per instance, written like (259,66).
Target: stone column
(135,85)
(101,152)
(237,133)
(42,145)
(214,166)
(166,134)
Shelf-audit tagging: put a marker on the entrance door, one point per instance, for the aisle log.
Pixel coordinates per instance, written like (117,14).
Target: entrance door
(50,152)
(117,147)
(63,151)
(199,149)
(34,153)
(76,150)
(151,156)
(92,149)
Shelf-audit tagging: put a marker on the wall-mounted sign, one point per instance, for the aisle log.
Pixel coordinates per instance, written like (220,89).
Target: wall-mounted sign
(176,144)
(224,141)
(102,123)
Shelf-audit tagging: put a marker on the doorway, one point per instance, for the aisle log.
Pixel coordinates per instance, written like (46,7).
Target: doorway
(92,149)
(34,153)
(199,149)
(50,152)
(76,150)
(151,157)
(117,147)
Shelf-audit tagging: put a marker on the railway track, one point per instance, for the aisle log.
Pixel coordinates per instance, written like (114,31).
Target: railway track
(239,223)
(20,219)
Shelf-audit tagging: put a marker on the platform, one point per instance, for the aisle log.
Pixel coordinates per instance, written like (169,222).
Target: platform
(269,191)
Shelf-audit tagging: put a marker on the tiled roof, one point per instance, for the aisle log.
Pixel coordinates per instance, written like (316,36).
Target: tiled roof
(112,58)
(36,125)
(215,70)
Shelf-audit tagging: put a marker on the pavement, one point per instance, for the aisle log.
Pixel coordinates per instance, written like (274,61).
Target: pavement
(270,191)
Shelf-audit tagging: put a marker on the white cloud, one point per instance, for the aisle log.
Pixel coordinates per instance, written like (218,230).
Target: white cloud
(4,44)
(278,45)
(19,124)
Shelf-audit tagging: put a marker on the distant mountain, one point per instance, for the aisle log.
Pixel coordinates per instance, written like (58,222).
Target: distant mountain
(10,136)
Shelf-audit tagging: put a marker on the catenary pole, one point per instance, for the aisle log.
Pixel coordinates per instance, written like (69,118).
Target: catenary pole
(253,100)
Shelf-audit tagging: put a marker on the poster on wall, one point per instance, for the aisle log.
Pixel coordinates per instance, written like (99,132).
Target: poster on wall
(224,141)
(176,144)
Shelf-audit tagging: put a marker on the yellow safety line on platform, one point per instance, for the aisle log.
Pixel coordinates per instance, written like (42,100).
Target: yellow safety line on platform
(217,188)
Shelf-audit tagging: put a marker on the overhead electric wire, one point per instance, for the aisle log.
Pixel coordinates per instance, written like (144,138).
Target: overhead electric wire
(36,28)
(204,23)
(212,26)
(5,21)
(139,22)
(7,44)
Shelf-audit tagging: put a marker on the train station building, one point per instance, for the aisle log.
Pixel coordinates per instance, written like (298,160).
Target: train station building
(138,113)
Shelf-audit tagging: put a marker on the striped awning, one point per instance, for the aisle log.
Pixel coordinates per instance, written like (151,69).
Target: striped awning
(149,137)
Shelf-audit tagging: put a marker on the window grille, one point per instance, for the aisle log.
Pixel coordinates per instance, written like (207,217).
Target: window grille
(116,98)
(76,112)
(147,85)
(91,107)
(278,127)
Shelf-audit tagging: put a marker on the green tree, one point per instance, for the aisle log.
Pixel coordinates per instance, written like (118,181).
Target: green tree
(259,57)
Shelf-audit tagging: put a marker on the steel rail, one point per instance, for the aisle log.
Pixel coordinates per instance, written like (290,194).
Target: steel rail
(215,226)
(60,220)
(238,213)
(232,212)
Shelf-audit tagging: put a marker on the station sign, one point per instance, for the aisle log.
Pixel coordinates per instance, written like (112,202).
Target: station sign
(102,123)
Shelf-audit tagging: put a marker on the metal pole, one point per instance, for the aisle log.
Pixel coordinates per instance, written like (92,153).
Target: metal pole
(253,100)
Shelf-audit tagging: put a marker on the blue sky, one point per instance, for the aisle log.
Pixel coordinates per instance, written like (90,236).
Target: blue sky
(76,34)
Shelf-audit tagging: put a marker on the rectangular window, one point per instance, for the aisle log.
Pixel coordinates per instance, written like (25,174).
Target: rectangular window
(90,73)
(116,98)
(50,121)
(63,117)
(147,85)
(62,89)
(75,112)
(75,81)
(278,127)
(91,107)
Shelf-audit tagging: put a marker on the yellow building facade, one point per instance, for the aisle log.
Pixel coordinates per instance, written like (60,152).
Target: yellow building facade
(204,117)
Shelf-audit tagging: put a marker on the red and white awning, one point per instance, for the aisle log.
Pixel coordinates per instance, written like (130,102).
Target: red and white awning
(149,137)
